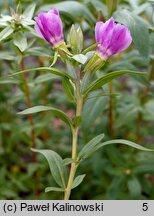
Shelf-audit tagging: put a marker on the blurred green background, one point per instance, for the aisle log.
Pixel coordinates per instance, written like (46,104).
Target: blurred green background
(115,172)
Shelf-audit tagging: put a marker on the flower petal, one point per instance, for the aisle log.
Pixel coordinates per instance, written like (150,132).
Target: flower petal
(49,26)
(103,31)
(121,39)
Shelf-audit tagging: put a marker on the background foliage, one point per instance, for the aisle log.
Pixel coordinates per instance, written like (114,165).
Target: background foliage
(116,172)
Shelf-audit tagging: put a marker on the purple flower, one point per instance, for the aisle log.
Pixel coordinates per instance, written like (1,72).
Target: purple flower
(113,38)
(49,26)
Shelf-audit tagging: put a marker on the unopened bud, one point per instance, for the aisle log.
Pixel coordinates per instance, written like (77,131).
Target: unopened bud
(75,39)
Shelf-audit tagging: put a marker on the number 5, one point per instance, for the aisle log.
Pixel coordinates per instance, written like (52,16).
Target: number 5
(145,207)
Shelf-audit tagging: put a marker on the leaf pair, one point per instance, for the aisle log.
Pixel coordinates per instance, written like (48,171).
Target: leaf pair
(96,144)
(58,171)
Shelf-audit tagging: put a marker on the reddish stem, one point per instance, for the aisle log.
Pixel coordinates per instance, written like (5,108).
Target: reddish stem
(30,116)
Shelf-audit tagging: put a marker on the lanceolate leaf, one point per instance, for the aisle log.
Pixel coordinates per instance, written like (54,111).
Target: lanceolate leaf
(68,89)
(107,78)
(134,187)
(48,189)
(20,41)
(57,168)
(78,180)
(92,47)
(44,69)
(125,142)
(93,148)
(87,150)
(29,11)
(67,161)
(5,33)
(55,111)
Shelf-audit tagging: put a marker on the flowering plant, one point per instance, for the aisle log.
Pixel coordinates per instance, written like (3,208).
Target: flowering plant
(79,83)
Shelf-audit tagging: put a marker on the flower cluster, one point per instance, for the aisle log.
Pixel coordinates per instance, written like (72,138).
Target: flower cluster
(112,37)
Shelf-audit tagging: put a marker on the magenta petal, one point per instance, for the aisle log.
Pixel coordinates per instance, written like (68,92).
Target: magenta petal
(37,29)
(103,31)
(54,11)
(121,39)
(113,38)
(49,26)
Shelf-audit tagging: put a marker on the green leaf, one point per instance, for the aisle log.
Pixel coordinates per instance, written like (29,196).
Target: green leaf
(54,59)
(44,69)
(138,28)
(116,187)
(20,41)
(48,189)
(125,142)
(78,180)
(67,161)
(90,48)
(93,108)
(76,121)
(57,168)
(146,167)
(6,33)
(98,83)
(86,80)
(29,11)
(71,69)
(55,111)
(80,58)
(6,55)
(68,89)
(7,80)
(45,78)
(88,149)
(134,187)
(74,9)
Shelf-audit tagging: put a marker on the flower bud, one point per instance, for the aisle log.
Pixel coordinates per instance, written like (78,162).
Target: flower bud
(112,38)
(75,39)
(49,26)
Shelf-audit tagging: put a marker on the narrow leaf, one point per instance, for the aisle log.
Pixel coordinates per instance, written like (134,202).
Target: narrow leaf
(90,146)
(134,187)
(48,189)
(57,168)
(125,142)
(29,11)
(90,48)
(78,180)
(107,78)
(8,80)
(5,33)
(68,89)
(41,108)
(44,69)
(68,161)
(20,41)
(54,59)
(45,78)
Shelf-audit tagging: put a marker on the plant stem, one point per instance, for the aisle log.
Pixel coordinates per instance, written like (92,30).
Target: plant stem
(75,132)
(30,116)
(111,114)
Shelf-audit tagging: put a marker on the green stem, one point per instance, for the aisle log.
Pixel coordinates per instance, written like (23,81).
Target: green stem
(111,114)
(75,132)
